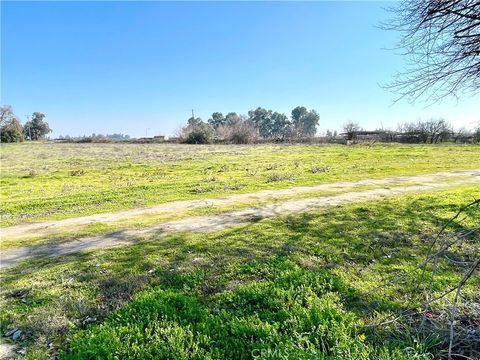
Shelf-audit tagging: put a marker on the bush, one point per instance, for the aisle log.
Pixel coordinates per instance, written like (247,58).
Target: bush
(10,136)
(239,131)
(11,132)
(199,137)
(198,133)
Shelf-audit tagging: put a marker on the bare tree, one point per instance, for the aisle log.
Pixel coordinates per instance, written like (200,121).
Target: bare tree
(351,128)
(442,41)
(6,114)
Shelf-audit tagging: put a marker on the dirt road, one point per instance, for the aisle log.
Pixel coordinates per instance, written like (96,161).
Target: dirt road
(178,206)
(215,222)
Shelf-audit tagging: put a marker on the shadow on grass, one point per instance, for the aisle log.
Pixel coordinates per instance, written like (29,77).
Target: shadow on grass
(266,282)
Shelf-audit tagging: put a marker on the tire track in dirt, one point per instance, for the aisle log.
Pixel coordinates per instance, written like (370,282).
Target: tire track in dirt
(216,222)
(183,205)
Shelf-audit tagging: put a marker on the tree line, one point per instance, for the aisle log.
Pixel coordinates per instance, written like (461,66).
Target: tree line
(431,131)
(11,129)
(260,123)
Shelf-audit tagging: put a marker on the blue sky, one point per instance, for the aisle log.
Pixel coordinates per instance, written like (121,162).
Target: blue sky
(131,66)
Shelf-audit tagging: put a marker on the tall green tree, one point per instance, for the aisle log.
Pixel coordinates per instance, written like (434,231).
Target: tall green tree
(304,122)
(279,125)
(217,119)
(261,118)
(36,128)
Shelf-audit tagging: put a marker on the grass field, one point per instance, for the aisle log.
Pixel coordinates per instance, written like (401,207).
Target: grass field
(54,181)
(294,286)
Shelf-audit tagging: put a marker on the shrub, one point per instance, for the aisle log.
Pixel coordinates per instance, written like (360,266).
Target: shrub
(77,172)
(322,168)
(239,131)
(11,132)
(279,177)
(198,133)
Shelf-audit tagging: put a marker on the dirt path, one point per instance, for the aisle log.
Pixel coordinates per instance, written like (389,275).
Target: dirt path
(178,206)
(215,222)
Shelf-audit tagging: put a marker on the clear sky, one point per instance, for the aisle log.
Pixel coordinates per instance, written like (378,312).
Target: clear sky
(126,67)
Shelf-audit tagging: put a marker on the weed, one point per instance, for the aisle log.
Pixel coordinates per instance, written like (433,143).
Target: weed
(209,179)
(273,177)
(234,186)
(319,169)
(32,173)
(77,172)
(205,188)
(223,168)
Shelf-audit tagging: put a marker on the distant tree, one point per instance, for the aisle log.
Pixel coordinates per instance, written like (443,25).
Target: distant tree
(310,123)
(6,114)
(351,128)
(232,118)
(442,40)
(10,127)
(238,130)
(438,130)
(197,132)
(476,134)
(431,131)
(217,119)
(36,128)
(335,133)
(305,122)
(11,131)
(297,115)
(193,121)
(261,119)
(462,135)
(279,126)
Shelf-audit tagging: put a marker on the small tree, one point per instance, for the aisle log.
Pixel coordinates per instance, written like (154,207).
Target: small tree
(197,132)
(240,131)
(6,115)
(36,128)
(11,131)
(476,134)
(438,130)
(10,127)
(351,128)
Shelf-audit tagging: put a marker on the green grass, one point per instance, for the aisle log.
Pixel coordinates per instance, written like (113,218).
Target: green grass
(53,181)
(60,234)
(301,286)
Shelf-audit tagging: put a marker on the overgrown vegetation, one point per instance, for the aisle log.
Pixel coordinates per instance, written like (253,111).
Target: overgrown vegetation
(260,123)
